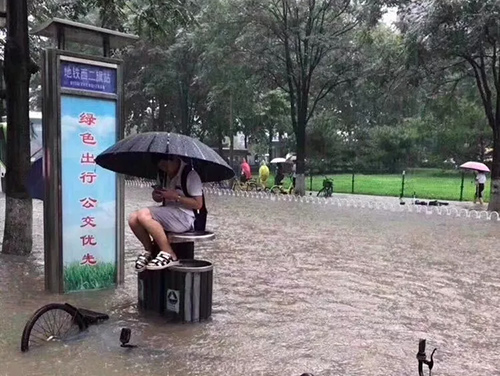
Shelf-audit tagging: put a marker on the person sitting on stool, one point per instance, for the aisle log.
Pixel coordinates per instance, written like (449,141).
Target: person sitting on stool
(174,215)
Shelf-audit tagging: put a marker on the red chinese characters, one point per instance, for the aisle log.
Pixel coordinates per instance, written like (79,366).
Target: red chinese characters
(87,159)
(88,221)
(88,119)
(88,259)
(88,203)
(88,241)
(88,139)
(88,177)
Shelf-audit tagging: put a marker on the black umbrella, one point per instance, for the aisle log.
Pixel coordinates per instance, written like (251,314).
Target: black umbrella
(138,154)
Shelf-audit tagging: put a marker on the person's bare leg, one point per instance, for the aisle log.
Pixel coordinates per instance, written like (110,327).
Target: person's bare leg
(139,231)
(156,230)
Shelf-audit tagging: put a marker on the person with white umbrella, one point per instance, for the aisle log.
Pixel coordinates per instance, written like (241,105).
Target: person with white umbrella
(480,183)
(480,170)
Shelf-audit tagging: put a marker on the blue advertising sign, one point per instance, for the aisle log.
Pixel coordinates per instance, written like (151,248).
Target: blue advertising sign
(88,77)
(89,198)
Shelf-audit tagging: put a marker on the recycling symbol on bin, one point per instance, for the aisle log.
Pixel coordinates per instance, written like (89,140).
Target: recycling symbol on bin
(172,297)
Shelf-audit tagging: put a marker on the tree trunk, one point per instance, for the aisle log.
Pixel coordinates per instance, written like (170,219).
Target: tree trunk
(220,141)
(18,236)
(279,150)
(270,130)
(184,107)
(495,172)
(300,187)
(231,135)
(162,116)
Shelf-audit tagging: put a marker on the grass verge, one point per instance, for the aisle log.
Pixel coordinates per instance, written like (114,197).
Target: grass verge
(427,184)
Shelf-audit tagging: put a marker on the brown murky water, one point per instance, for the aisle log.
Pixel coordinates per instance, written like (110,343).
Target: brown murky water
(297,288)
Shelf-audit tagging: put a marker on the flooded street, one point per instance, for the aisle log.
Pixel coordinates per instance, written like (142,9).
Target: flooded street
(297,288)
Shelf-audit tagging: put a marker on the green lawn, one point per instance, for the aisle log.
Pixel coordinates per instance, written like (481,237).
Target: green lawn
(429,184)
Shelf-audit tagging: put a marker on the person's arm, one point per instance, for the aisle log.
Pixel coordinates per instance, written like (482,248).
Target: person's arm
(194,203)
(194,188)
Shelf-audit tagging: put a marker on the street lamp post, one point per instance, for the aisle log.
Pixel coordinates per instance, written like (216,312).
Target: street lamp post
(17,237)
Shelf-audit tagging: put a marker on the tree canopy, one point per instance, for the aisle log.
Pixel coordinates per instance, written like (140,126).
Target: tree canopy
(347,91)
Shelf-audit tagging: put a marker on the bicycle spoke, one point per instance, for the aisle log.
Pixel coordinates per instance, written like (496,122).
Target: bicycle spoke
(43,324)
(52,321)
(66,320)
(36,340)
(72,327)
(47,322)
(60,326)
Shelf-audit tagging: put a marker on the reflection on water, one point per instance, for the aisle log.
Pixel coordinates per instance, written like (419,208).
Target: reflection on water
(297,288)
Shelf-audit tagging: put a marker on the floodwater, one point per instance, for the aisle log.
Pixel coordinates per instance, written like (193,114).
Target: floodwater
(297,288)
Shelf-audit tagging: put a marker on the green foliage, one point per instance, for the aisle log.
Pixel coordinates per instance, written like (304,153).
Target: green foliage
(367,98)
(83,277)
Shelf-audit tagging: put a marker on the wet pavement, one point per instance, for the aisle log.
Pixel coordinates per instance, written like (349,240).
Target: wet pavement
(297,288)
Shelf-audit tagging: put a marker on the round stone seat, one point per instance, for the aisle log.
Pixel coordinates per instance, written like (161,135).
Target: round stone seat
(190,236)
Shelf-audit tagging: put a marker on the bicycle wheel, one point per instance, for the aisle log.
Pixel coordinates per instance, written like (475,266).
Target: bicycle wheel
(251,186)
(322,193)
(52,322)
(276,190)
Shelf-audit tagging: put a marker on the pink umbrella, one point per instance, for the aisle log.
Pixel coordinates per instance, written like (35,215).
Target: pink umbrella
(476,166)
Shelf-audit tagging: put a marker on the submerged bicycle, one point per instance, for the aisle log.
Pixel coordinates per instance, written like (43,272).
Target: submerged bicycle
(57,322)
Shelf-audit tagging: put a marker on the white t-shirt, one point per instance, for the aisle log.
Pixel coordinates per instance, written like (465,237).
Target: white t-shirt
(193,186)
(481,178)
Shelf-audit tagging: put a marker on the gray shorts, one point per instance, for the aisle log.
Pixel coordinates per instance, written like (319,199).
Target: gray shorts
(172,219)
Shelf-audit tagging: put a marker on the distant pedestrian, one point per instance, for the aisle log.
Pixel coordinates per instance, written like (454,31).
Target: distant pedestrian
(480,184)
(263,174)
(246,172)
(279,175)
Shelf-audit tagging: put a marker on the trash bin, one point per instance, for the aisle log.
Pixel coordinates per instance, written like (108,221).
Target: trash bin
(180,293)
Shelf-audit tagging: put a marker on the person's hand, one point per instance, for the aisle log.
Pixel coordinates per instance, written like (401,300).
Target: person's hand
(170,194)
(157,196)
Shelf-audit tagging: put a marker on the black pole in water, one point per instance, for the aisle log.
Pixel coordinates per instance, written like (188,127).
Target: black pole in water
(352,185)
(462,186)
(421,357)
(403,184)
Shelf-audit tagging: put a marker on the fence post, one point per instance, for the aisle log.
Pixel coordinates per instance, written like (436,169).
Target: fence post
(352,185)
(403,185)
(310,181)
(462,186)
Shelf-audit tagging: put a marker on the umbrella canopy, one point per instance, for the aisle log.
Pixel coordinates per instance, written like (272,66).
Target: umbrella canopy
(279,160)
(136,155)
(476,166)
